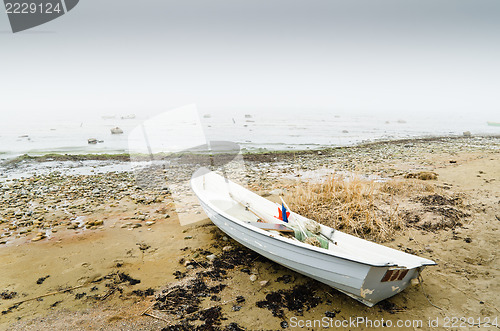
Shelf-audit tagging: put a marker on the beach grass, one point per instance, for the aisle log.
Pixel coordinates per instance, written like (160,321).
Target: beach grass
(365,208)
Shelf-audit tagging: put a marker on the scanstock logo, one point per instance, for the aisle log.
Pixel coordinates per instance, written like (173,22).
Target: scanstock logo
(26,14)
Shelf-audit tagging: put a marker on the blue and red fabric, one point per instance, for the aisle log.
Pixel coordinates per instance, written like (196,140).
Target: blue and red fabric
(283,213)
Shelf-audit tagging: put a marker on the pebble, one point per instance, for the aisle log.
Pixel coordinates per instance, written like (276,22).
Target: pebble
(149,223)
(264,283)
(211,257)
(253,278)
(227,248)
(188,237)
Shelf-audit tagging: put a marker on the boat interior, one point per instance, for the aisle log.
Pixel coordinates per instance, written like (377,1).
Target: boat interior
(243,206)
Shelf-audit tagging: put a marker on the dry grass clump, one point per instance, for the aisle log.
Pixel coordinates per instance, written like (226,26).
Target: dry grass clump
(423,175)
(367,209)
(406,187)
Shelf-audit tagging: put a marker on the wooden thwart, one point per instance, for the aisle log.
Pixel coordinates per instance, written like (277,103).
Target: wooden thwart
(271,226)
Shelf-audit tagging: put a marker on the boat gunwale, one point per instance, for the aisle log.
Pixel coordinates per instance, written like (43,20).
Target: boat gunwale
(294,243)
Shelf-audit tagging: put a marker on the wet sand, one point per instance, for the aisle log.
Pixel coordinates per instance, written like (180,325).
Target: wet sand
(140,239)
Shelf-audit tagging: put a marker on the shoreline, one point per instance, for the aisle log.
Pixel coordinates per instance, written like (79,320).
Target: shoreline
(50,156)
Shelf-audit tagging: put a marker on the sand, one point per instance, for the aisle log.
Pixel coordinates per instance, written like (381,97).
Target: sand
(463,284)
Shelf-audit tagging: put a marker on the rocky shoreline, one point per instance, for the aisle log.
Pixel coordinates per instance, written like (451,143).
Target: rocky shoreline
(113,247)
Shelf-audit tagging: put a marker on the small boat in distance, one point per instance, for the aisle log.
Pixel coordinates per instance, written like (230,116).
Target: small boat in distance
(365,271)
(493,123)
(128,117)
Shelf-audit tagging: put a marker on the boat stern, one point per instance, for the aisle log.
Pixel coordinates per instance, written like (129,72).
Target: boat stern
(384,282)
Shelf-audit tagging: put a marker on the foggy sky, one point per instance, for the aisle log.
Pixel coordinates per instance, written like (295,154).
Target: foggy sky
(364,56)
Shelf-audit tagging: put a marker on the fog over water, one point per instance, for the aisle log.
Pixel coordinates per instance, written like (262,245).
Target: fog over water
(307,71)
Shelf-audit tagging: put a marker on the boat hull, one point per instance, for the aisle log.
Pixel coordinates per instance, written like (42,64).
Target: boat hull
(360,281)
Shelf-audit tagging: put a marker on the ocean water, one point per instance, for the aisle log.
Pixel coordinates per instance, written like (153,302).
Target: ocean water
(256,130)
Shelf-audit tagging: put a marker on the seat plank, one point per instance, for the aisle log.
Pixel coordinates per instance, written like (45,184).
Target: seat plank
(271,226)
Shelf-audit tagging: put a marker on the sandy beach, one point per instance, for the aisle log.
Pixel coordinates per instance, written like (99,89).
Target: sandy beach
(97,252)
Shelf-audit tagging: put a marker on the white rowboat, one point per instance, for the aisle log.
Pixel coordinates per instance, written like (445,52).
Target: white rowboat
(366,271)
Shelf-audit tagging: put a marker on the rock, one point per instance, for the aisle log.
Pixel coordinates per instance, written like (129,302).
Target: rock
(415,282)
(149,223)
(188,237)
(253,278)
(116,130)
(190,266)
(467,134)
(136,225)
(263,283)
(227,248)
(187,262)
(211,257)
(37,238)
(236,308)
(98,222)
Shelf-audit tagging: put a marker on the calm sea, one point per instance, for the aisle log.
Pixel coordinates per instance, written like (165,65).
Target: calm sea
(253,130)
